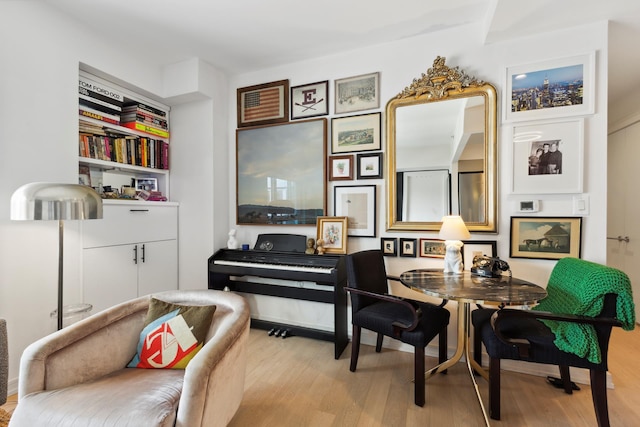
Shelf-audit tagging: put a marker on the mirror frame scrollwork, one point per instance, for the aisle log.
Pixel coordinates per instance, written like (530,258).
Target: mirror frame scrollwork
(438,84)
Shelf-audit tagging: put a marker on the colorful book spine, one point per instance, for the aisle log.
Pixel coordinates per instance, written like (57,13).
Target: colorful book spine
(97,115)
(147,129)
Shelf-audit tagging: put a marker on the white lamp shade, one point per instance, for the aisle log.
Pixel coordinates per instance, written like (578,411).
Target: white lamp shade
(51,201)
(453,228)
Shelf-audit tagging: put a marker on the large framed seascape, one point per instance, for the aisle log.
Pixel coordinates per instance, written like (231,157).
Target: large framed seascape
(263,104)
(332,234)
(355,133)
(357,93)
(546,237)
(281,173)
(548,157)
(550,89)
(358,204)
(473,248)
(310,100)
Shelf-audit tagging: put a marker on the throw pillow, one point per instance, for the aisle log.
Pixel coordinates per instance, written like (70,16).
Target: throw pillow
(172,335)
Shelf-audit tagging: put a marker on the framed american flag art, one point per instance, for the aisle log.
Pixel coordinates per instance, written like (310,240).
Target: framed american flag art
(263,104)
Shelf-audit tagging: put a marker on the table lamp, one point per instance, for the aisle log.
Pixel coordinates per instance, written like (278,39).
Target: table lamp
(452,232)
(44,201)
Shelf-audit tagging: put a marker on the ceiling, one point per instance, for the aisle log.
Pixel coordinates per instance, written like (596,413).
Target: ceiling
(244,35)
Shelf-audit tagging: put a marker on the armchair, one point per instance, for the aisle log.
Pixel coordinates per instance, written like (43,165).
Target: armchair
(77,376)
(571,327)
(412,322)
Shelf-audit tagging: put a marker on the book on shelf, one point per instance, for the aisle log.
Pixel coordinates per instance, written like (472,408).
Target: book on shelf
(142,127)
(144,118)
(105,92)
(135,105)
(98,115)
(96,104)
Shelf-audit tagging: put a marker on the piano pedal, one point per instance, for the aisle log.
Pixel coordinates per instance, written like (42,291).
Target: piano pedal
(272,331)
(278,332)
(286,333)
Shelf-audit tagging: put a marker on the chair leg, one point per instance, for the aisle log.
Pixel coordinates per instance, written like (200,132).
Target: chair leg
(355,347)
(418,376)
(494,388)
(477,345)
(379,343)
(599,395)
(442,347)
(565,376)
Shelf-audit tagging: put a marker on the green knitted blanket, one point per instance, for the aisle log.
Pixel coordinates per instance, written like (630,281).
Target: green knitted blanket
(578,287)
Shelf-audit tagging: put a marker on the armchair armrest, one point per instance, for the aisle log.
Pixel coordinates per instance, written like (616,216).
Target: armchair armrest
(411,305)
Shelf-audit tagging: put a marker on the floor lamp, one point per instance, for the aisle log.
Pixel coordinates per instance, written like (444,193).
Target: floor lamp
(44,201)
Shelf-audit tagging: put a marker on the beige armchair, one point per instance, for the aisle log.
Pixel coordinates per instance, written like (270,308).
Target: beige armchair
(77,376)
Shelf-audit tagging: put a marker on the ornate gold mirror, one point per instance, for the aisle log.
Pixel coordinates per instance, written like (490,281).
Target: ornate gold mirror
(441,152)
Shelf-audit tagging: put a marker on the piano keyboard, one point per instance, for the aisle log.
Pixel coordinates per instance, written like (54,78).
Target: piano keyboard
(307,269)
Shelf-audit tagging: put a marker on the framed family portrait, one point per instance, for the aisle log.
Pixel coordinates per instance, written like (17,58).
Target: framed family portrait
(389,246)
(369,166)
(473,248)
(357,93)
(545,237)
(548,156)
(332,230)
(341,168)
(310,100)
(556,88)
(355,133)
(263,104)
(408,247)
(358,204)
(432,248)
(272,162)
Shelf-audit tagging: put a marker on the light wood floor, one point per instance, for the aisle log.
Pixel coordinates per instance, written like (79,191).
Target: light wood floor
(297,382)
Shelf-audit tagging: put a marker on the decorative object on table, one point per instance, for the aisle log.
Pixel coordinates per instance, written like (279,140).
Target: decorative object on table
(408,247)
(320,246)
(311,246)
(548,157)
(432,248)
(358,204)
(296,154)
(555,88)
(355,133)
(43,201)
(369,166)
(452,232)
(341,168)
(263,104)
(332,230)
(357,93)
(232,242)
(149,184)
(545,237)
(152,196)
(389,246)
(310,100)
(472,248)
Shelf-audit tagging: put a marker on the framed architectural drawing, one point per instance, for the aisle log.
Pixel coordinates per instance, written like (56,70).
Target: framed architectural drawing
(357,93)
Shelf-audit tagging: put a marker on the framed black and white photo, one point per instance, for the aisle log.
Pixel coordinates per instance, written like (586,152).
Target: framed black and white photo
(369,166)
(389,246)
(357,93)
(358,204)
(556,88)
(310,100)
(408,247)
(545,237)
(473,248)
(548,157)
(356,133)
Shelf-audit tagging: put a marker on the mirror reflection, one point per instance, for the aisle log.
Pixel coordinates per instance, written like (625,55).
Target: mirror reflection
(441,140)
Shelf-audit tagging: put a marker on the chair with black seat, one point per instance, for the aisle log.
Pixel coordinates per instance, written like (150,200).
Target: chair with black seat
(411,322)
(570,327)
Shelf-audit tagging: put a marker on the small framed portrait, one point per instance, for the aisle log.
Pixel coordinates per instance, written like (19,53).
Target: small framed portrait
(369,166)
(341,168)
(408,247)
(357,93)
(310,100)
(389,246)
(332,230)
(473,248)
(432,248)
(263,104)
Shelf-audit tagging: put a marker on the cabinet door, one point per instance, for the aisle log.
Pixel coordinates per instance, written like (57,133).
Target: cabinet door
(158,271)
(109,276)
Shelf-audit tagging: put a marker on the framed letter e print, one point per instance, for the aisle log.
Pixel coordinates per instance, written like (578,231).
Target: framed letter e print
(310,100)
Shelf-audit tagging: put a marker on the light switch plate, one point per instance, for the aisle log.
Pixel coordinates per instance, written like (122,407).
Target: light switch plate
(581,205)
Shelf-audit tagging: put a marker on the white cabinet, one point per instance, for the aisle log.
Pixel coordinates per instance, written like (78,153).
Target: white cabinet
(132,251)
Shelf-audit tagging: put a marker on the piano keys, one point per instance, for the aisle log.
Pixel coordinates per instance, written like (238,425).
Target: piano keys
(328,271)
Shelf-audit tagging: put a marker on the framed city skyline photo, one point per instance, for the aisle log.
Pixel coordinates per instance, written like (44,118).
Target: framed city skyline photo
(550,89)
(545,237)
(263,104)
(310,100)
(281,173)
(357,93)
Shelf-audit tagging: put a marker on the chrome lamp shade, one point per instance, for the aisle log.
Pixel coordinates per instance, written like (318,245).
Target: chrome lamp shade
(43,201)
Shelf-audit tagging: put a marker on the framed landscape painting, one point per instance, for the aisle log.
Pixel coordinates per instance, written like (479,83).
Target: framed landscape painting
(355,133)
(545,237)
